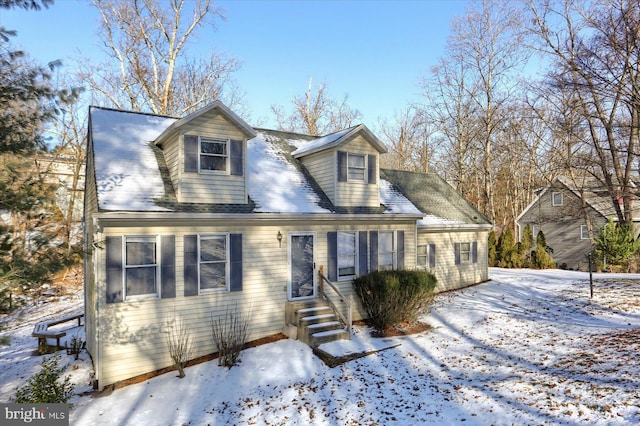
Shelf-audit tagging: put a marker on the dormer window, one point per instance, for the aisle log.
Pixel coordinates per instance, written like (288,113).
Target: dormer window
(356,167)
(205,154)
(213,155)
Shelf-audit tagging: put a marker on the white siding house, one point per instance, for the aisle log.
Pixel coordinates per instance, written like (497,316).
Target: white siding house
(191,217)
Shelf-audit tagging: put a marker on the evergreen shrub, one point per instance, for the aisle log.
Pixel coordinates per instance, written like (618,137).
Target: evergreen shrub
(47,385)
(393,297)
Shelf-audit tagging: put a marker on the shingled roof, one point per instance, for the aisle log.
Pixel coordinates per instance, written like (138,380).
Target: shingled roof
(435,198)
(131,174)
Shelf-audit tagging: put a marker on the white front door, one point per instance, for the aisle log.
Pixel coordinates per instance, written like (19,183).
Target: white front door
(302,277)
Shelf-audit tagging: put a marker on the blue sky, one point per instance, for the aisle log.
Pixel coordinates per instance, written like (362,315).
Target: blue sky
(374,51)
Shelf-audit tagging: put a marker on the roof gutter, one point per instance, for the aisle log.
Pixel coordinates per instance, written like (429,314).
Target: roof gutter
(243,217)
(455,227)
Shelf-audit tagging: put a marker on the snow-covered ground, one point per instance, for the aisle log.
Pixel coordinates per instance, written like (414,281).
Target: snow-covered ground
(529,347)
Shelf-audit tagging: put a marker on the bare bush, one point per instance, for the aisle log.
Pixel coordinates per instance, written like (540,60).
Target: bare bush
(180,343)
(229,333)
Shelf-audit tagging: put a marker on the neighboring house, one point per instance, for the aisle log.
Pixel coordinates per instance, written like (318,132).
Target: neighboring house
(560,211)
(59,170)
(196,216)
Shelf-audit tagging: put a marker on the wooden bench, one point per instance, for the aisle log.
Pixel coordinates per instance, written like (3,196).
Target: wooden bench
(42,332)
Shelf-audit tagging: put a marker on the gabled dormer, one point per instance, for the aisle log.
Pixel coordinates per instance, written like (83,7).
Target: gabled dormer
(346,166)
(206,154)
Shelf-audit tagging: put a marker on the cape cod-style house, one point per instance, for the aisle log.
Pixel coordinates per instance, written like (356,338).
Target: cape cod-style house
(196,216)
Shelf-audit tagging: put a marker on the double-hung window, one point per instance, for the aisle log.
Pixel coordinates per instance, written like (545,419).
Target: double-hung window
(584,232)
(141,266)
(556,198)
(465,252)
(347,255)
(426,256)
(213,154)
(212,260)
(356,167)
(386,251)
(422,260)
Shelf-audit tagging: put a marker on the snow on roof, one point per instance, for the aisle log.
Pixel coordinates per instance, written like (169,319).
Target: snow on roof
(127,174)
(394,201)
(322,143)
(435,220)
(274,184)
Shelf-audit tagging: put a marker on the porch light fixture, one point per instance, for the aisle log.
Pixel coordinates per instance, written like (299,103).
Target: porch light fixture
(280,239)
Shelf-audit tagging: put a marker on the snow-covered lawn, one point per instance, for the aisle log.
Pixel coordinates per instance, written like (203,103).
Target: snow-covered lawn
(529,347)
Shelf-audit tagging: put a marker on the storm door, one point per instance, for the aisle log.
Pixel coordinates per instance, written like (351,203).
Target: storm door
(302,278)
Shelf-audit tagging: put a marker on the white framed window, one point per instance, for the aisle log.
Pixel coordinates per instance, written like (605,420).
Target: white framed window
(356,167)
(425,256)
(213,265)
(584,232)
(347,255)
(386,250)
(422,260)
(465,252)
(556,198)
(141,271)
(214,155)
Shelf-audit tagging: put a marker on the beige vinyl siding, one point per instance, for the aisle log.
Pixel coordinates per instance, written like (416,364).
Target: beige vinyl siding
(449,275)
(358,194)
(131,333)
(90,207)
(171,152)
(196,187)
(323,166)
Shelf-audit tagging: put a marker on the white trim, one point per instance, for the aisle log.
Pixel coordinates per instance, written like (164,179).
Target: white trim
(290,235)
(355,259)
(226,263)
(365,168)
(227,156)
(394,250)
(553,199)
(469,252)
(158,266)
(582,237)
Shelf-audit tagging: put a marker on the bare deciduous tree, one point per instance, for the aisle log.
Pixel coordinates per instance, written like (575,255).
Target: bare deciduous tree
(316,113)
(409,139)
(146,41)
(595,48)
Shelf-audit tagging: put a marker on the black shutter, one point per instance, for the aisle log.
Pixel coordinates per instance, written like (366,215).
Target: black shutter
(474,252)
(332,261)
(456,247)
(373,250)
(190,265)
(432,255)
(114,269)
(168,266)
(235,254)
(372,168)
(363,252)
(191,153)
(400,250)
(342,166)
(236,157)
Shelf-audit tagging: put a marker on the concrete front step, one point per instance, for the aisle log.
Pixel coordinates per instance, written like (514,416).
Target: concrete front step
(315,322)
(312,311)
(317,339)
(316,319)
